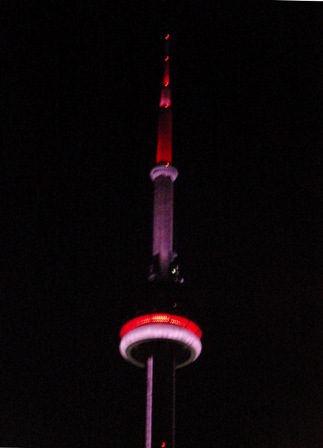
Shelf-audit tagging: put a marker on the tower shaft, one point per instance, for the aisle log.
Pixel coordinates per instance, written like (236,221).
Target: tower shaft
(163,224)
(160,404)
(163,175)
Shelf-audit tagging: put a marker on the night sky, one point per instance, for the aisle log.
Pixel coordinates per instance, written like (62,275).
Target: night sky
(80,84)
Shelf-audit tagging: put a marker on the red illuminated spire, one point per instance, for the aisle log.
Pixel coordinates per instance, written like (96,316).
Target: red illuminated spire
(165,123)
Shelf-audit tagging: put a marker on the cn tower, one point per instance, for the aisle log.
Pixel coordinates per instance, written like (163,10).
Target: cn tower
(161,340)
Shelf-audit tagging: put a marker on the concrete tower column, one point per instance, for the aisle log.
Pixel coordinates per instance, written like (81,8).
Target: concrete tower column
(163,176)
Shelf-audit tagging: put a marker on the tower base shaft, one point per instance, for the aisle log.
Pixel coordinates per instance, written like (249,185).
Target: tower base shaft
(160,404)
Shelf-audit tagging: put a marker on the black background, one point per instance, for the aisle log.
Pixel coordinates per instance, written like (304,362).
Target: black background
(80,83)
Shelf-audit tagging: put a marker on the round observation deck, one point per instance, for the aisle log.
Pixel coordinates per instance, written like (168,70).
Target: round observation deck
(164,169)
(142,335)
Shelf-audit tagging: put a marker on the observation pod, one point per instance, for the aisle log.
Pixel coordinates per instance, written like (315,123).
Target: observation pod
(161,343)
(140,335)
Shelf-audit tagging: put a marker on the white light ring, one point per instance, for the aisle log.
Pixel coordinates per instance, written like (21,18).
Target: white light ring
(151,332)
(164,170)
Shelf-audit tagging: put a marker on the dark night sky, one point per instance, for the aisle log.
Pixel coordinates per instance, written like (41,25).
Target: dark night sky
(79,93)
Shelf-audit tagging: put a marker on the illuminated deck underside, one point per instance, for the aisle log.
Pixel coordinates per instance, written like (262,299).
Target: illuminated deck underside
(177,330)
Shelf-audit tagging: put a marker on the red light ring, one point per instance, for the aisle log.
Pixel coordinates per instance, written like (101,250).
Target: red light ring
(161,318)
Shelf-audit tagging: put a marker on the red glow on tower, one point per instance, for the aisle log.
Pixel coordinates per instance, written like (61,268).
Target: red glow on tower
(165,125)
(161,318)
(166,74)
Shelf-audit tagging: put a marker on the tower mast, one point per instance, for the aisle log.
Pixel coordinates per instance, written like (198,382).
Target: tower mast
(163,175)
(160,341)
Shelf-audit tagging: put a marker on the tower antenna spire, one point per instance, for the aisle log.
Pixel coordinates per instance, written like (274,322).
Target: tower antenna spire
(165,119)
